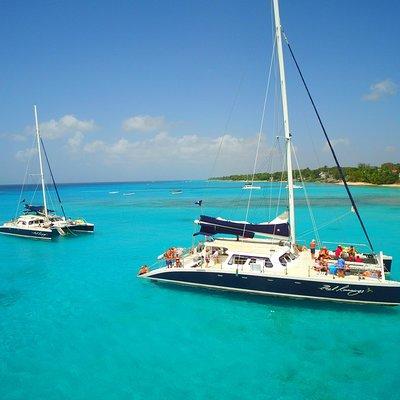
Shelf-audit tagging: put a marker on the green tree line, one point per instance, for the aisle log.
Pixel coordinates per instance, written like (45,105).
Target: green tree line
(386,173)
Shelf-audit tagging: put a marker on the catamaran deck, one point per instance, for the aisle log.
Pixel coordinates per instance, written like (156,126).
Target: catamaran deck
(252,255)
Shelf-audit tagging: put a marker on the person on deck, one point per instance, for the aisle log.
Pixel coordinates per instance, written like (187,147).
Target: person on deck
(358,259)
(207,257)
(341,266)
(215,256)
(200,247)
(312,249)
(169,257)
(352,253)
(338,251)
(324,253)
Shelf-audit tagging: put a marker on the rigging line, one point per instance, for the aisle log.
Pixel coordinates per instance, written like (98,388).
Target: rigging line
(24,181)
(326,224)
(261,128)
(313,222)
(310,138)
(270,179)
(34,192)
(52,178)
(227,124)
(341,173)
(282,156)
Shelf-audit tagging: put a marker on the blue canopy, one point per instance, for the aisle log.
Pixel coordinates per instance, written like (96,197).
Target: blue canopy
(210,226)
(36,209)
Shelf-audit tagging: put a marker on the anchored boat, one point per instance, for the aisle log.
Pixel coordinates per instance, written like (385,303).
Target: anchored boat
(250,186)
(34,226)
(265,258)
(38,222)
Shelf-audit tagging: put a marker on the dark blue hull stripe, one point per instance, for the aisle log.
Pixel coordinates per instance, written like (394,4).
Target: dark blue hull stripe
(81,228)
(387,262)
(34,234)
(264,285)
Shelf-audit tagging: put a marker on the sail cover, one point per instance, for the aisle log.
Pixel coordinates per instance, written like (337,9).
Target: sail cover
(36,209)
(210,226)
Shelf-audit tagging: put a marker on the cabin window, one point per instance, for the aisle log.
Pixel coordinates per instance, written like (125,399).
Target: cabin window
(283,260)
(268,263)
(241,260)
(238,260)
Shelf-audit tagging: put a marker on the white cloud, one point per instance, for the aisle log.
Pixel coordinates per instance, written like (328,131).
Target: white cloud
(144,123)
(25,155)
(95,146)
(66,125)
(382,89)
(75,141)
(16,137)
(390,149)
(341,142)
(177,153)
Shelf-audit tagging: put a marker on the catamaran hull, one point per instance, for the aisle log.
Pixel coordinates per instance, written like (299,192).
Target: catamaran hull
(47,234)
(387,262)
(84,228)
(333,290)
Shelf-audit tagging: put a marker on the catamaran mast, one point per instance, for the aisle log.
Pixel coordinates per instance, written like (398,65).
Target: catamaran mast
(288,136)
(40,162)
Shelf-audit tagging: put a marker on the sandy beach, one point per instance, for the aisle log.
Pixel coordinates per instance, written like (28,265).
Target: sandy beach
(394,185)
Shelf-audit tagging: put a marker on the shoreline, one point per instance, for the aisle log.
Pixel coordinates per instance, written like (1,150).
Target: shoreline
(390,185)
(393,185)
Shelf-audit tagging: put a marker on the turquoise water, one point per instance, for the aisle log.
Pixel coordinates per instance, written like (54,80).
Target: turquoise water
(76,323)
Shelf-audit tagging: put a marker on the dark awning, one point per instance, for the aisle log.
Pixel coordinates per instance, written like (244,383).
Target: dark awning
(210,226)
(36,209)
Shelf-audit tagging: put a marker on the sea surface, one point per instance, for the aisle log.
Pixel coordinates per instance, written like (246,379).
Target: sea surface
(76,322)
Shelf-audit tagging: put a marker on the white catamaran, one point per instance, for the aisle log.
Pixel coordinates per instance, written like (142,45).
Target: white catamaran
(38,222)
(266,259)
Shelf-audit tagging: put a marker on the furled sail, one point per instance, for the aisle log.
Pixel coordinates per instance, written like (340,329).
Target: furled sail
(39,210)
(209,226)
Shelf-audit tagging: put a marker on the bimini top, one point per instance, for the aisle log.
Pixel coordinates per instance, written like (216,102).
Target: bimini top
(209,226)
(38,210)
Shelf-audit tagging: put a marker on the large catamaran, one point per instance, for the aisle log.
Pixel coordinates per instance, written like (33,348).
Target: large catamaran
(265,258)
(38,222)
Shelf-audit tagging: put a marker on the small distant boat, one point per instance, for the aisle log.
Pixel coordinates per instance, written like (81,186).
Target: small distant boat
(115,192)
(128,194)
(250,186)
(295,187)
(176,191)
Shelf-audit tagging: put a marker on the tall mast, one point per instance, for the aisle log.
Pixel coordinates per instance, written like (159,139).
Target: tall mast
(40,161)
(288,136)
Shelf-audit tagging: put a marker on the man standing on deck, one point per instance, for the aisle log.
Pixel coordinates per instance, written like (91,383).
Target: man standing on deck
(312,249)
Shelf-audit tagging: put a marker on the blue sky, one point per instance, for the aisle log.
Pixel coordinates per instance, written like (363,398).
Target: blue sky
(142,90)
